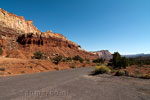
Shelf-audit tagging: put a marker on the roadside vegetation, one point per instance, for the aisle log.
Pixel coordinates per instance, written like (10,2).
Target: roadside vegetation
(1,50)
(122,73)
(78,58)
(57,59)
(38,55)
(99,61)
(140,61)
(2,69)
(118,62)
(101,70)
(136,74)
(121,66)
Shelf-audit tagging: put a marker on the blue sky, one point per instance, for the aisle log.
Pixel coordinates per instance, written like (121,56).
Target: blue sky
(115,25)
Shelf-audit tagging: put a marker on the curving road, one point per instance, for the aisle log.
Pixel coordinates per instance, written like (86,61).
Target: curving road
(73,84)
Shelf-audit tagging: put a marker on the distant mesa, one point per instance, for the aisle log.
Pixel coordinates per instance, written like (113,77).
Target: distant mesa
(137,55)
(103,54)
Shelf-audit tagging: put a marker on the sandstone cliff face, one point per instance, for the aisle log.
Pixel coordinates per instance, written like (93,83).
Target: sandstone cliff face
(16,22)
(20,39)
(103,54)
(50,34)
(19,24)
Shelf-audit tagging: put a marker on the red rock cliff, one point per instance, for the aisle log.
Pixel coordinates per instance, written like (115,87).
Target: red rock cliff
(20,38)
(16,22)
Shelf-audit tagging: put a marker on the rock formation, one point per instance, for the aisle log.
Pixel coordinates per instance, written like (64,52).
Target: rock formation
(20,38)
(17,23)
(103,54)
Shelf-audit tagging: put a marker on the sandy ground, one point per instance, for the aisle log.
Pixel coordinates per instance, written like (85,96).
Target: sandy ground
(15,66)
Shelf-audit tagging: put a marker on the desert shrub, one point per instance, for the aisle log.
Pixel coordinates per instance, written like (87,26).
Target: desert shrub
(99,60)
(69,59)
(137,74)
(101,70)
(0,45)
(84,65)
(7,56)
(22,72)
(98,64)
(127,73)
(81,60)
(57,68)
(57,59)
(78,58)
(74,62)
(1,51)
(38,55)
(118,62)
(87,61)
(64,60)
(122,73)
(1,73)
(140,61)
(73,66)
(2,69)
(140,75)
(147,76)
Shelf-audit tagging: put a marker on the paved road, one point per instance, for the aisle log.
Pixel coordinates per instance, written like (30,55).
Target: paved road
(73,84)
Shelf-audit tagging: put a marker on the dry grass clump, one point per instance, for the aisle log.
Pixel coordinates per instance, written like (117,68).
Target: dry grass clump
(101,70)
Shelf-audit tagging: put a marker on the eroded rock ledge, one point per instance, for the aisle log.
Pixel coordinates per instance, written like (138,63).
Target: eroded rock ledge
(31,39)
(19,24)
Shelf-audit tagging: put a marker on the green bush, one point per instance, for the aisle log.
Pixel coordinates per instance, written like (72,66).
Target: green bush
(78,58)
(57,68)
(127,73)
(22,72)
(137,74)
(120,73)
(38,55)
(140,61)
(57,59)
(69,59)
(99,60)
(84,65)
(141,75)
(147,76)
(98,64)
(87,61)
(73,66)
(1,51)
(7,56)
(101,70)
(0,45)
(64,60)
(118,62)
(2,69)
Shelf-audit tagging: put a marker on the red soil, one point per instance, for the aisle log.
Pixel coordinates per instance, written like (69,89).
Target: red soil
(15,66)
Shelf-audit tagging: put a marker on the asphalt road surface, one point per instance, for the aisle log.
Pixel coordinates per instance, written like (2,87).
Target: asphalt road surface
(73,84)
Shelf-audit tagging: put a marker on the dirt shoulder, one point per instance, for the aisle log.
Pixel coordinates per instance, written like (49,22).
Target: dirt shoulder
(16,66)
